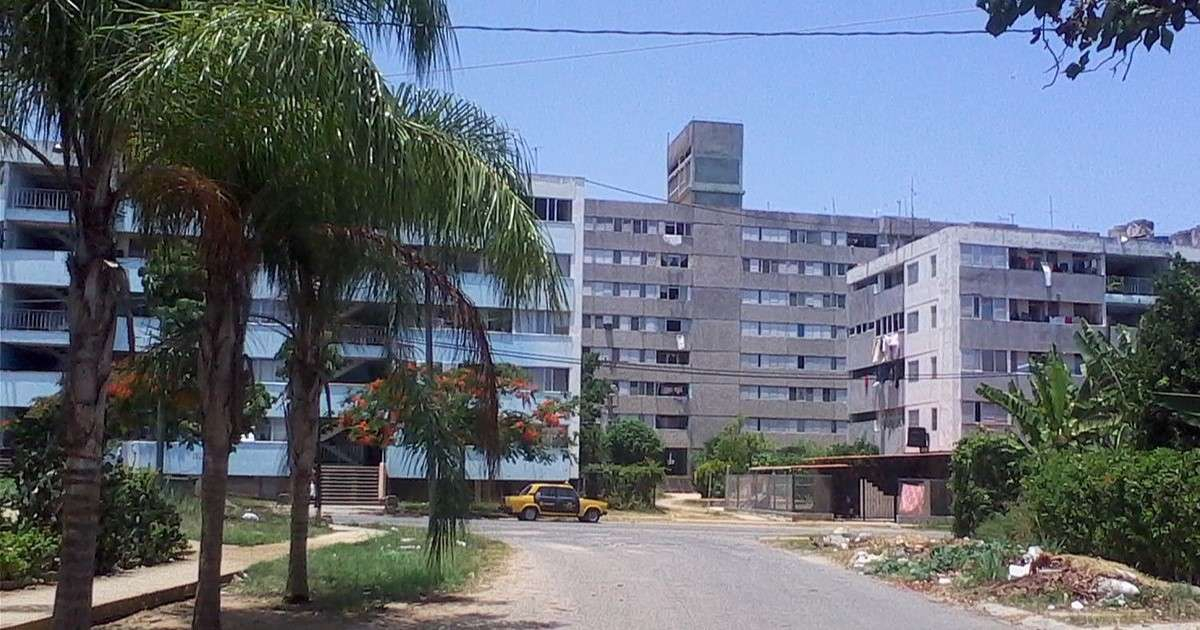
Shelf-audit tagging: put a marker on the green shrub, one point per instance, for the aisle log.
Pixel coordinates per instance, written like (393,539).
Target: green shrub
(632,441)
(985,476)
(1013,526)
(709,478)
(1137,507)
(138,525)
(26,553)
(625,486)
(859,447)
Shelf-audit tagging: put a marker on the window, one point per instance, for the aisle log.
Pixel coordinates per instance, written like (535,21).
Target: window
(914,322)
(630,259)
(989,308)
(933,316)
(542,322)
(677,228)
(563,261)
(599,289)
(269,370)
(672,292)
(673,390)
(672,357)
(550,209)
(674,260)
(914,417)
(913,273)
(833,394)
(550,379)
(987,256)
(625,289)
(933,418)
(933,266)
(914,371)
(674,325)
(978,411)
(670,422)
(642,226)
(598,224)
(497,319)
(932,367)
(985,361)
(598,256)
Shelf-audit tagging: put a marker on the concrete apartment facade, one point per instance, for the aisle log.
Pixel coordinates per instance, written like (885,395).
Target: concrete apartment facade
(34,244)
(705,311)
(970,304)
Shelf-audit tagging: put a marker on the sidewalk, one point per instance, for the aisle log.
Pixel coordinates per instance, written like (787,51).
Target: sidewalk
(125,593)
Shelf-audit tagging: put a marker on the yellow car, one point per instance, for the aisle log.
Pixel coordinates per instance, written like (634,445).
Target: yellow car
(553,499)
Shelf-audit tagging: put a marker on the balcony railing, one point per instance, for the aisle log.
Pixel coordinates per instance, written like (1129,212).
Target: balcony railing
(365,335)
(42,198)
(33,319)
(1130,285)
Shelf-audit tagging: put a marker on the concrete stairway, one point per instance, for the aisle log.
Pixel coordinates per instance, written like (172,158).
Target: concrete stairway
(349,485)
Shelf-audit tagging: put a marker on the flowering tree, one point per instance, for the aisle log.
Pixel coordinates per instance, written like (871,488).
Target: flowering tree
(437,412)
(397,409)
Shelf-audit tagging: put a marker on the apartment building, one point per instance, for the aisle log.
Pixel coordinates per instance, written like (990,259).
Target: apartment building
(971,304)
(34,244)
(705,311)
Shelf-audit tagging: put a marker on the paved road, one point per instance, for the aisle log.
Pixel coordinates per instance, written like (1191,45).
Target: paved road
(685,575)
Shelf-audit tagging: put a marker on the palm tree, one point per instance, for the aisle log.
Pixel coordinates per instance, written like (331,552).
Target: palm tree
(53,67)
(257,113)
(321,270)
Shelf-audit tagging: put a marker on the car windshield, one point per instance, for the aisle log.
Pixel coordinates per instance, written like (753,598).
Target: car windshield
(527,489)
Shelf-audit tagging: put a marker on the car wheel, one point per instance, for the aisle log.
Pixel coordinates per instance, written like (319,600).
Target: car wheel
(591,516)
(529,514)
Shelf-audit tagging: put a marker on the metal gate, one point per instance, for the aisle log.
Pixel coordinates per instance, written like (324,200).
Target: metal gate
(874,503)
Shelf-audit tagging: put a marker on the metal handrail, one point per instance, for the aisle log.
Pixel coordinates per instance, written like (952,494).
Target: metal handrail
(33,319)
(42,198)
(1131,285)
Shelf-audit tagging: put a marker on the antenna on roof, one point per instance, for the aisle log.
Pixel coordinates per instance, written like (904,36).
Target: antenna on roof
(1052,212)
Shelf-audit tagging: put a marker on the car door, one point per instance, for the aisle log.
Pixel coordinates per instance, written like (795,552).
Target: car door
(568,501)
(547,500)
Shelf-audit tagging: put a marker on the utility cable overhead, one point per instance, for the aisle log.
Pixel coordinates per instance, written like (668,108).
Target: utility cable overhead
(621,51)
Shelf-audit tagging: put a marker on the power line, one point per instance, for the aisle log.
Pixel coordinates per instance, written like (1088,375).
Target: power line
(622,51)
(738,373)
(748,34)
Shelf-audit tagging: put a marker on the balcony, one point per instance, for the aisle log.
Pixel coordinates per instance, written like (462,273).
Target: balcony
(41,198)
(33,319)
(1129,285)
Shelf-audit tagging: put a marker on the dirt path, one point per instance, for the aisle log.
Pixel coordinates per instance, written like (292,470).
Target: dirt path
(501,603)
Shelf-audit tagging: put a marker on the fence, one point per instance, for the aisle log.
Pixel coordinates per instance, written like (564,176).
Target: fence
(793,493)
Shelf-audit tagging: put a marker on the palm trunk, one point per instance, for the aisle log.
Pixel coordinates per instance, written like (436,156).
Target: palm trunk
(223,378)
(91,303)
(304,393)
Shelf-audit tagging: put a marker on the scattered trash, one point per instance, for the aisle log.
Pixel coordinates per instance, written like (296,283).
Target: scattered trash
(1050,607)
(407,540)
(461,543)
(1018,571)
(944,581)
(1077,605)
(409,547)
(837,540)
(251,516)
(1109,587)
(1032,554)
(863,558)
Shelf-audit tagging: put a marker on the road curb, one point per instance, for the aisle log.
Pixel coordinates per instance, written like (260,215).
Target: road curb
(109,612)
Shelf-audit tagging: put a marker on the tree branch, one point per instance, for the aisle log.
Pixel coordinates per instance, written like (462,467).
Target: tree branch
(28,146)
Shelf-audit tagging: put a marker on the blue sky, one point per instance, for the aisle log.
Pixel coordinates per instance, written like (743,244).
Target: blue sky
(848,121)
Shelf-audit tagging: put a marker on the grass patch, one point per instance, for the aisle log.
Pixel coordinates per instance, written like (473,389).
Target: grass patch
(272,527)
(387,568)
